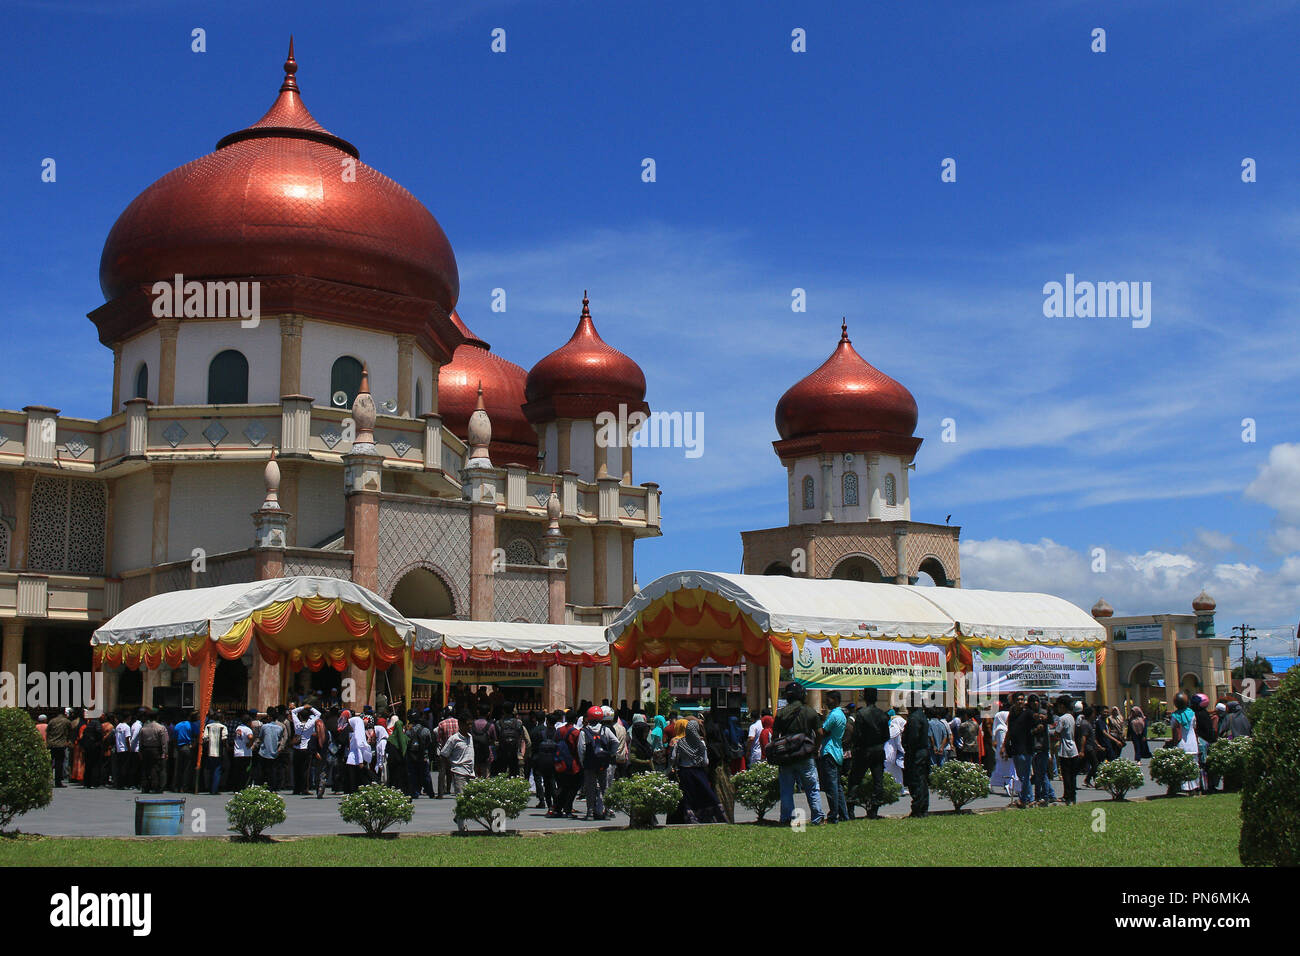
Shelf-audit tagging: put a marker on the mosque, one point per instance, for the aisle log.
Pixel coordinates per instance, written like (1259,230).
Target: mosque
(373,437)
(357,289)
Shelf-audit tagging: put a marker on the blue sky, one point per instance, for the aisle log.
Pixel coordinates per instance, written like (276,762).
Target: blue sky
(778,170)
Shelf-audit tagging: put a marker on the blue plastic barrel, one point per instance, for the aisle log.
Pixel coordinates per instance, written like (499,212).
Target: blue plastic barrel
(160,817)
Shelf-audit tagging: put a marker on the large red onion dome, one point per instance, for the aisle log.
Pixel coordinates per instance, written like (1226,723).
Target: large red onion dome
(583,378)
(1203,603)
(279,198)
(513,438)
(846,394)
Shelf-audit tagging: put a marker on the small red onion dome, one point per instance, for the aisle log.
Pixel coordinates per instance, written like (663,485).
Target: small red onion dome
(278,198)
(513,439)
(846,394)
(1203,603)
(583,378)
(1102,609)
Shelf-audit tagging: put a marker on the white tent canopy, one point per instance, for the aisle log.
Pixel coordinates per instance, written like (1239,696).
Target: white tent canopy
(1021,616)
(214,611)
(509,637)
(786,605)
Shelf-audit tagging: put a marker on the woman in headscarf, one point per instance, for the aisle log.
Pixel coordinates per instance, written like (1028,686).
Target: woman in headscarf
(1205,735)
(894,748)
(1183,725)
(658,745)
(1113,734)
(1137,732)
(640,752)
(765,736)
(715,736)
(690,760)
(1004,768)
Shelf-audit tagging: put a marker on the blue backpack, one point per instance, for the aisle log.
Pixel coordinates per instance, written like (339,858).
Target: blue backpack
(599,753)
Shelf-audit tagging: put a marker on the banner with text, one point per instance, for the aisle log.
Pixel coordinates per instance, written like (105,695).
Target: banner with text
(502,675)
(1003,670)
(886,665)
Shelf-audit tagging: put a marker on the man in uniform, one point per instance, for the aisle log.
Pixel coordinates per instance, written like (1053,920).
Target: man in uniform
(870,731)
(916,760)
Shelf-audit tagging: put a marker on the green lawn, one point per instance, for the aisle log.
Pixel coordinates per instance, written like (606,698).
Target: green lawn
(1199,831)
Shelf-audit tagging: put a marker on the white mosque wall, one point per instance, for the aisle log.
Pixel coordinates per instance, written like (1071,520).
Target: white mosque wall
(871,481)
(324,342)
(132,522)
(582,450)
(208,502)
(425,373)
(551,445)
(581,576)
(199,341)
(613,568)
(144,348)
(320,508)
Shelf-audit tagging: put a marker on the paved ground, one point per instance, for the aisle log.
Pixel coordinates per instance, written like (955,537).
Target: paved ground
(78,812)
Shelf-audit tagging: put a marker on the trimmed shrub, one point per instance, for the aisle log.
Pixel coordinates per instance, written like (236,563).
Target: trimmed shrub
(893,791)
(492,800)
(1173,767)
(26,774)
(759,787)
(253,810)
(1159,730)
(960,781)
(375,808)
(1118,777)
(1226,760)
(1270,790)
(642,796)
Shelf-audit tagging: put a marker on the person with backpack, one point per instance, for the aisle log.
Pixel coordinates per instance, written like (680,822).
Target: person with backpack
(597,749)
(568,772)
(940,739)
(484,734)
(304,729)
(871,732)
(419,744)
(542,748)
(969,740)
(793,749)
(318,754)
(509,735)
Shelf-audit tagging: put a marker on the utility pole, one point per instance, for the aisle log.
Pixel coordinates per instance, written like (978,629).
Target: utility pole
(1244,636)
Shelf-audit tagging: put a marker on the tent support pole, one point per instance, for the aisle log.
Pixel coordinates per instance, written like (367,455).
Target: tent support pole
(773,675)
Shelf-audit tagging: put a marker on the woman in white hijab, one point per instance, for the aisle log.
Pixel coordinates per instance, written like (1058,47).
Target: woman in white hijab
(359,752)
(894,748)
(1004,770)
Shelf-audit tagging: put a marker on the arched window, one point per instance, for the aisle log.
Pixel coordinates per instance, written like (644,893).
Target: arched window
(520,551)
(345,377)
(891,491)
(809,493)
(228,379)
(850,489)
(142,381)
(419,398)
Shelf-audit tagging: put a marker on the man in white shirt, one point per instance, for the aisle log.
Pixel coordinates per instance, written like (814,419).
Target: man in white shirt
(121,754)
(754,741)
(359,752)
(304,726)
(133,761)
(214,740)
(243,753)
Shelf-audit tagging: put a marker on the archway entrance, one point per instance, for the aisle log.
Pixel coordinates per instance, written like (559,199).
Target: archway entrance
(858,567)
(932,569)
(1145,684)
(420,593)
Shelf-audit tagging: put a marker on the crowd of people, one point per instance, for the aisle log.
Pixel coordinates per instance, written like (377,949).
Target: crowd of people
(576,754)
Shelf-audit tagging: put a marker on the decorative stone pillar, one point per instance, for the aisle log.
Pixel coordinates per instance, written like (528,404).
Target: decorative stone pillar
(117,379)
(270,524)
(555,554)
(167,332)
(432,441)
(295,426)
(23,481)
(627,461)
(290,354)
(162,503)
(42,434)
(405,373)
(828,496)
(1173,677)
(479,485)
(900,555)
(362,483)
(137,428)
(599,575)
(11,656)
(291,474)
